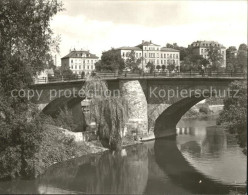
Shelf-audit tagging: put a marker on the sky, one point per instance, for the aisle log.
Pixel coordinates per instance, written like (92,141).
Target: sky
(99,25)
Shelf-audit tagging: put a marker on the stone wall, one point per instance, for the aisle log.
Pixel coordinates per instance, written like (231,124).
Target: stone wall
(133,93)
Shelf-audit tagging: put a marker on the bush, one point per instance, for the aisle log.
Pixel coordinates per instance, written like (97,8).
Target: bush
(234,115)
(204,109)
(55,147)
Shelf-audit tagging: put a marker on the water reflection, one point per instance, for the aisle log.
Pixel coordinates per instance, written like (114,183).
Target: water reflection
(212,152)
(180,171)
(200,159)
(124,172)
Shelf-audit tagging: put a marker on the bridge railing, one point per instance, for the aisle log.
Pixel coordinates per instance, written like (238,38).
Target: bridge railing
(109,75)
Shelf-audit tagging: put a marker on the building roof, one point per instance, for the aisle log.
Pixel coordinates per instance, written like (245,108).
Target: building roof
(128,48)
(78,54)
(206,44)
(147,43)
(169,49)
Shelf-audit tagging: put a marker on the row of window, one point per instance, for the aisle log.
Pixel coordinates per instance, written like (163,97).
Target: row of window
(80,72)
(165,62)
(152,55)
(126,54)
(84,67)
(84,61)
(151,48)
(82,55)
(207,44)
(206,50)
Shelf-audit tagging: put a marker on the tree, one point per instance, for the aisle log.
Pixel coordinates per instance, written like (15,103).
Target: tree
(234,115)
(25,44)
(168,45)
(158,67)
(131,62)
(215,58)
(111,61)
(242,57)
(109,113)
(66,72)
(171,66)
(231,59)
(163,67)
(150,65)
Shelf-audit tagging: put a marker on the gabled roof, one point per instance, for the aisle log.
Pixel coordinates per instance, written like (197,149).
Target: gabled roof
(169,49)
(78,54)
(147,43)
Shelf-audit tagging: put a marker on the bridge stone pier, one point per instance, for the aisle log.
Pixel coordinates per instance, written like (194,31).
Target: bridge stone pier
(155,105)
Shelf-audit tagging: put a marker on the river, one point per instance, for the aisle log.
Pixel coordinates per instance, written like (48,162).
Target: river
(202,158)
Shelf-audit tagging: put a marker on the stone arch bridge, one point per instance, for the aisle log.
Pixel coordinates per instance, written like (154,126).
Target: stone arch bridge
(154,104)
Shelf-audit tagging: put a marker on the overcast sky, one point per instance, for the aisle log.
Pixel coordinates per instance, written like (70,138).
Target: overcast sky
(99,25)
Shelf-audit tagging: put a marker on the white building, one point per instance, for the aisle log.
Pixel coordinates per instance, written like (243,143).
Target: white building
(150,52)
(202,48)
(80,60)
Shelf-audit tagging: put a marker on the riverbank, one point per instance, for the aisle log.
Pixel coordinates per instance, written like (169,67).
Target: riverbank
(202,111)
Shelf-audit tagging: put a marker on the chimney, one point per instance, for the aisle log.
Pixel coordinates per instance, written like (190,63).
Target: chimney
(150,41)
(143,41)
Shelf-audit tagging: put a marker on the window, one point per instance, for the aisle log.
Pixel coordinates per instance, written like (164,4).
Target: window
(177,56)
(88,67)
(84,67)
(79,66)
(71,66)
(75,66)
(140,55)
(164,55)
(170,55)
(164,61)
(91,61)
(173,55)
(144,48)
(157,54)
(161,55)
(161,61)
(157,61)
(145,55)
(136,55)
(71,61)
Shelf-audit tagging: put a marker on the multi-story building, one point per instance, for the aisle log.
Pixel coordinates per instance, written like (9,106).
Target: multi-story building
(150,52)
(202,48)
(80,60)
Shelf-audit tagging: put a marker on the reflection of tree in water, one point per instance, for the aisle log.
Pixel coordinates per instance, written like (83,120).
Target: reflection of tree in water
(115,173)
(214,142)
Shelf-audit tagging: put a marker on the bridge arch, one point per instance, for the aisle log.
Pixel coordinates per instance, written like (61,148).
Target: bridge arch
(165,123)
(73,104)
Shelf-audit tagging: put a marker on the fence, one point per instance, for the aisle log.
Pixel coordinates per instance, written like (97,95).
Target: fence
(109,75)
